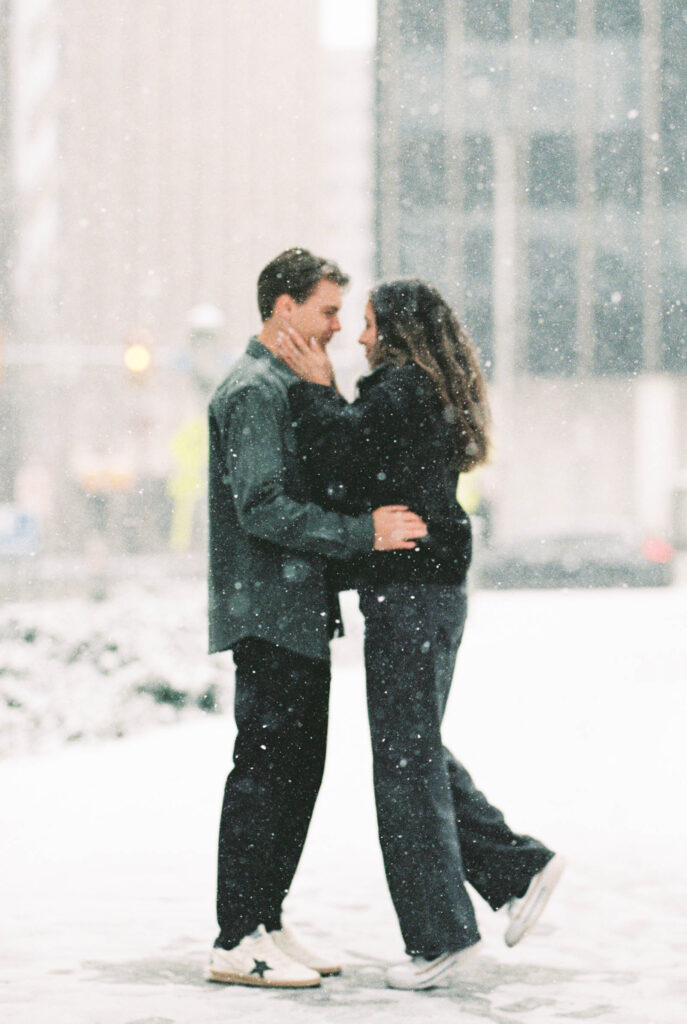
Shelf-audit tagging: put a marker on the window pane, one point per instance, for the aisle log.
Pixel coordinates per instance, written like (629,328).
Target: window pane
(478,317)
(674,73)
(617,316)
(422,201)
(552,19)
(422,244)
(673,103)
(618,167)
(551,347)
(478,321)
(478,263)
(487,19)
(674,292)
(619,17)
(478,171)
(422,167)
(674,62)
(420,26)
(674,355)
(552,170)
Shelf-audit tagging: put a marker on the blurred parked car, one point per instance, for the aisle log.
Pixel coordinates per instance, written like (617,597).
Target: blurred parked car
(598,559)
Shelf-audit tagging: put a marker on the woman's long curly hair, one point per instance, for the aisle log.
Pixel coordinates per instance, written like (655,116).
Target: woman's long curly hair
(415,324)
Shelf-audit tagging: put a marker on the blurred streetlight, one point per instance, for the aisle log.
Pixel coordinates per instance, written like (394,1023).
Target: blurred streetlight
(138,354)
(205,323)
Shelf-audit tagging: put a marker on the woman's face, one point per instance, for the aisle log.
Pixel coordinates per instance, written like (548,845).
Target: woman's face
(368,339)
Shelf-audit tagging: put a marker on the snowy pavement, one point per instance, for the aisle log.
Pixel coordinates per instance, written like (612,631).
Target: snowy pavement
(566,708)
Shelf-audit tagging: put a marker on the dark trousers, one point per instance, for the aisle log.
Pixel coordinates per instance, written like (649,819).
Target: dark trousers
(436,829)
(281,708)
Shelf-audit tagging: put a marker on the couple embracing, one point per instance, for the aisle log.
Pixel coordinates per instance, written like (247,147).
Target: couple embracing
(310,495)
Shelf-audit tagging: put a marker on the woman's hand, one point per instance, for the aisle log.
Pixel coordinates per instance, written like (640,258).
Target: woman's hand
(306,358)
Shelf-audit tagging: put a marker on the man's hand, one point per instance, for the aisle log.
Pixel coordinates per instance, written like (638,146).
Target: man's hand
(396,527)
(306,358)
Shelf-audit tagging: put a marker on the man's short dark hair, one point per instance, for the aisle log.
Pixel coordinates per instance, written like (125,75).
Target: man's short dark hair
(297,273)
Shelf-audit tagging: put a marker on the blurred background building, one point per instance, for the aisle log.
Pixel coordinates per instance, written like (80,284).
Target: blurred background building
(8,447)
(348,39)
(531,160)
(153,158)
(526,155)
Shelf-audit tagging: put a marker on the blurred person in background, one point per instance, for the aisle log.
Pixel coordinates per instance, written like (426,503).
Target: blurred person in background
(421,417)
(269,602)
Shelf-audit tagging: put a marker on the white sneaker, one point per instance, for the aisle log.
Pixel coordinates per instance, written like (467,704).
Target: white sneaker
(286,941)
(419,973)
(527,910)
(258,961)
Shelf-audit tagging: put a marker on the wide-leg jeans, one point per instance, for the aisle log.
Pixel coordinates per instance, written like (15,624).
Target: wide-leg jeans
(281,709)
(436,829)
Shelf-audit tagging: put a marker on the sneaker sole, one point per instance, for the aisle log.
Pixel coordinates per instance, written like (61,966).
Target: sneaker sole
(519,928)
(226,978)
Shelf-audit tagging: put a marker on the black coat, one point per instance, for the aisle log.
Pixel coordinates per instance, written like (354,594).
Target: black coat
(269,541)
(388,447)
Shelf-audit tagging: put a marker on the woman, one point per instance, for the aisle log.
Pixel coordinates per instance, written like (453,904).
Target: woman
(421,418)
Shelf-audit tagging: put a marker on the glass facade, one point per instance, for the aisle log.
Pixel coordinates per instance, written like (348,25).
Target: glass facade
(552,170)
(551,133)
(420,149)
(551,339)
(489,19)
(618,17)
(673,174)
(552,19)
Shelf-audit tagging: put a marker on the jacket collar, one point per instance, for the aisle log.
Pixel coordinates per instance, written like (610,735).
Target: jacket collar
(257,350)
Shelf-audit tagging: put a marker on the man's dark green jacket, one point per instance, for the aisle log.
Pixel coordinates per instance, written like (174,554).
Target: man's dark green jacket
(268,540)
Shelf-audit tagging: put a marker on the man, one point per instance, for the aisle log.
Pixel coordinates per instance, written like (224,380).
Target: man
(269,603)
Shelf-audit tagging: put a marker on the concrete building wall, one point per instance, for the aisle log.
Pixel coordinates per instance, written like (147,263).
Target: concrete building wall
(191,144)
(349,191)
(576,454)
(561,456)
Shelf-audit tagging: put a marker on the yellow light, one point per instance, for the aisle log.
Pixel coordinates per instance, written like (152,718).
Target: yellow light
(137,358)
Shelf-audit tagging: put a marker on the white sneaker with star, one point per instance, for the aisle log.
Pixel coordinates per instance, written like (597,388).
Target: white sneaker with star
(317,960)
(526,911)
(257,960)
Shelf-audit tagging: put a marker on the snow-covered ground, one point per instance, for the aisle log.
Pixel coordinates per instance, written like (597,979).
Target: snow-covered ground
(566,708)
(80,668)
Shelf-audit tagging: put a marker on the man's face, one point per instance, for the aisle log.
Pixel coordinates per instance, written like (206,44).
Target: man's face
(318,316)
